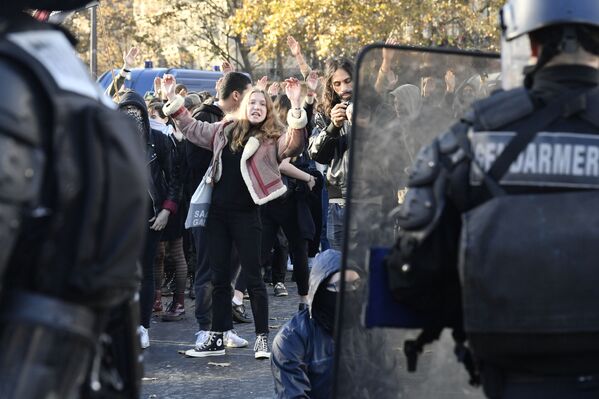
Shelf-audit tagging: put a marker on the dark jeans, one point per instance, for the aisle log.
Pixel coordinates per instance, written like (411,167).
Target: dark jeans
(324,241)
(203,278)
(146,294)
(242,228)
(283,214)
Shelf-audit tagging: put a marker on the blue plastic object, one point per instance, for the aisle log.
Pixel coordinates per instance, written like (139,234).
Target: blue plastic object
(382,310)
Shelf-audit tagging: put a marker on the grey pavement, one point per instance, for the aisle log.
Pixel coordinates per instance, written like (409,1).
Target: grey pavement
(169,374)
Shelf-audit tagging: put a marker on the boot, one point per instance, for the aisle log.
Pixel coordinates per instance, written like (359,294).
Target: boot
(157,308)
(176,310)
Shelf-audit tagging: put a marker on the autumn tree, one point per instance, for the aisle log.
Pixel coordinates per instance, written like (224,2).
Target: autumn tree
(118,30)
(332,27)
(203,25)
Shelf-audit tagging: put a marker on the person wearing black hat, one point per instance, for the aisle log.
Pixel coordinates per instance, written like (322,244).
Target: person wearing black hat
(72,222)
(505,202)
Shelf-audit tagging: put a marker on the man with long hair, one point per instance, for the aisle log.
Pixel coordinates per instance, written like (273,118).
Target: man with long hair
(329,146)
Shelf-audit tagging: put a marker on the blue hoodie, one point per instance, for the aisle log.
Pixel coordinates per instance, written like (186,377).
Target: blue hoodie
(302,351)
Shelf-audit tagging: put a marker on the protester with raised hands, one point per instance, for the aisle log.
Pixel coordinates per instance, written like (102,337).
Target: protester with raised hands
(245,148)
(129,59)
(296,51)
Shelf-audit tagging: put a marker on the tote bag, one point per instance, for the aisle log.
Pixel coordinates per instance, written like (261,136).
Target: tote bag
(200,204)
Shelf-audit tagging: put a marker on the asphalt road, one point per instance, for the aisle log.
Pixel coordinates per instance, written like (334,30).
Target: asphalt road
(169,374)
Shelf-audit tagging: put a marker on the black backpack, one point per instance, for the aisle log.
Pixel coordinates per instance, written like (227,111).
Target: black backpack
(82,239)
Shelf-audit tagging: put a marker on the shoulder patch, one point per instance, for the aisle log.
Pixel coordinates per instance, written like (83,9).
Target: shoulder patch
(502,108)
(552,159)
(53,50)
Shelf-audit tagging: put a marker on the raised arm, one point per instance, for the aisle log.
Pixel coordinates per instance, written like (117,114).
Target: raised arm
(197,132)
(296,51)
(128,63)
(386,79)
(292,143)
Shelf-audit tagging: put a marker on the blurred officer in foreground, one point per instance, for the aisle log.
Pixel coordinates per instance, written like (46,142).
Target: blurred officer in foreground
(72,220)
(503,206)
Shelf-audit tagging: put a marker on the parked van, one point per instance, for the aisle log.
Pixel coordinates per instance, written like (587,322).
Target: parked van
(142,79)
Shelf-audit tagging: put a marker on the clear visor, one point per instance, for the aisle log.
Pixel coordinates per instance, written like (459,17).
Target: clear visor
(515,56)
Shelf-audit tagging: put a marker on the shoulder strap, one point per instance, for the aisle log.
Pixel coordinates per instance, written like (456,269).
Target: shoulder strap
(565,105)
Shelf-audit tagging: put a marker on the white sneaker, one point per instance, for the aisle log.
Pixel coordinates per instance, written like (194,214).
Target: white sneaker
(261,347)
(232,340)
(201,337)
(144,337)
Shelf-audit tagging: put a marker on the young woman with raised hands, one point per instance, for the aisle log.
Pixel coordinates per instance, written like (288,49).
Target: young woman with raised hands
(247,148)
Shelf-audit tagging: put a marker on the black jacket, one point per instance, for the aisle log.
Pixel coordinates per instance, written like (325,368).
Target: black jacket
(198,159)
(329,147)
(161,157)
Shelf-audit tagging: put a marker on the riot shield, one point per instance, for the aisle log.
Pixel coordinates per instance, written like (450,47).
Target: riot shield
(394,115)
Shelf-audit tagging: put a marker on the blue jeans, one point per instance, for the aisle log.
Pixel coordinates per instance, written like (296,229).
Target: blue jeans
(335,222)
(324,242)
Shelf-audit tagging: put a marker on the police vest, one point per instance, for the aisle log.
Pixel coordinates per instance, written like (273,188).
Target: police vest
(528,262)
(94,190)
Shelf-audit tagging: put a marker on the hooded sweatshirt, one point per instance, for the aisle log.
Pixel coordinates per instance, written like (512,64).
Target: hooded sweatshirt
(302,351)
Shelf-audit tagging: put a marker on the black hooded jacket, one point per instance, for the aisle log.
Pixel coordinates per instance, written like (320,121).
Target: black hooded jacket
(198,159)
(165,178)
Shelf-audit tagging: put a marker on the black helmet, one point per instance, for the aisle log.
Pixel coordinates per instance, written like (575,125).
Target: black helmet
(55,5)
(519,17)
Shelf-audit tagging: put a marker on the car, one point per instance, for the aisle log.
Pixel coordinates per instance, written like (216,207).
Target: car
(142,79)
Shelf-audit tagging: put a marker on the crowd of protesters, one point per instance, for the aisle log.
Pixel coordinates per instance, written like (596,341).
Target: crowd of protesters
(276,157)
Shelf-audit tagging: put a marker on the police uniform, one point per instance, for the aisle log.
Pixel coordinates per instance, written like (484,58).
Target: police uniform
(505,198)
(67,325)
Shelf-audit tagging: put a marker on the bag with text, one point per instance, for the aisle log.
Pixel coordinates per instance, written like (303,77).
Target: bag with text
(200,204)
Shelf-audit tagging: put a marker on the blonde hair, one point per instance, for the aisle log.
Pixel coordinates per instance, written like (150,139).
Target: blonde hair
(270,129)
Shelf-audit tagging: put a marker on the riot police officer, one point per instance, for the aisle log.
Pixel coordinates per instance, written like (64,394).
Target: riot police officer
(72,220)
(506,200)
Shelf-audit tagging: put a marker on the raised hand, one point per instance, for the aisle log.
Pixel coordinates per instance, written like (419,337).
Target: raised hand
(227,67)
(157,85)
(389,54)
(312,80)
(130,57)
(293,46)
(168,86)
(273,89)
(261,84)
(450,81)
(294,92)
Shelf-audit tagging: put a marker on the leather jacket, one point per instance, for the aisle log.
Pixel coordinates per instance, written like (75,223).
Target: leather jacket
(162,158)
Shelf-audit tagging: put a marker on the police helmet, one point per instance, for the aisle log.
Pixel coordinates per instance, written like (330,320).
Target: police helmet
(55,5)
(519,17)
